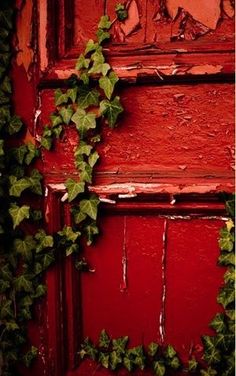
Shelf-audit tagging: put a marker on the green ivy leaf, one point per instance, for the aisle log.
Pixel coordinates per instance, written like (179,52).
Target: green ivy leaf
(18,214)
(66,114)
(30,356)
(121,12)
(152,348)
(218,323)
(230,313)
(87,97)
(104,359)
(90,206)
(46,142)
(78,215)
(23,283)
(230,207)
(226,296)
(82,62)
(5,273)
(45,261)
(35,182)
(6,310)
(14,125)
(56,120)
(107,84)
(25,247)
(170,352)
(226,241)
(84,121)
(85,78)
(69,234)
(93,158)
(4,286)
(174,362)
(60,97)
(6,18)
(159,368)
(104,340)
(91,46)
(19,153)
(128,363)
(44,240)
(31,154)
(212,356)
(74,188)
(40,291)
(226,259)
(6,85)
(83,149)
(18,186)
(99,68)
(111,110)
(1,148)
(72,94)
(104,23)
(225,341)
(102,35)
(85,172)
(208,372)
(115,360)
(120,344)
(192,365)
(90,231)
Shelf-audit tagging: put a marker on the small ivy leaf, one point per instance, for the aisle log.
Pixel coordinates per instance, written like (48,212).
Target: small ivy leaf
(96,138)
(1,148)
(90,231)
(120,344)
(14,125)
(104,23)
(25,247)
(152,348)
(83,148)
(18,187)
(40,291)
(85,78)
(6,85)
(56,120)
(174,362)
(85,172)
(102,35)
(78,216)
(104,359)
(81,265)
(18,214)
(44,240)
(111,110)
(5,273)
(93,158)
(225,341)
(45,260)
(87,97)
(100,68)
(22,283)
(115,360)
(35,182)
(212,356)
(159,368)
(128,364)
(69,234)
(121,12)
(91,46)
(208,342)
(82,62)
(12,326)
(107,83)
(74,248)
(226,259)
(72,94)
(30,356)
(19,153)
(31,154)
(46,142)
(6,310)
(218,323)
(57,131)
(104,340)
(192,365)
(89,348)
(4,286)
(208,372)
(170,352)
(60,97)
(26,314)
(74,188)
(230,313)
(90,206)
(229,225)
(84,121)
(66,114)
(226,296)
(230,207)
(226,241)
(6,18)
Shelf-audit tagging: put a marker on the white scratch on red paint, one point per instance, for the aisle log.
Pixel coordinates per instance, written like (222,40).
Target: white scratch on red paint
(123,285)
(163,275)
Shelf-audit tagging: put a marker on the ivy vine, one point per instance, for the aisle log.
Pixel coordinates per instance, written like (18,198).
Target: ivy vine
(27,251)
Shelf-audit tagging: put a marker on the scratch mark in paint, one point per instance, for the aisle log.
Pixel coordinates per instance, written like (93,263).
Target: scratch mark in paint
(123,285)
(163,275)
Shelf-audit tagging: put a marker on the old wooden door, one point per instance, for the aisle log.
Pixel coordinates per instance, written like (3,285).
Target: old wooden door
(154,275)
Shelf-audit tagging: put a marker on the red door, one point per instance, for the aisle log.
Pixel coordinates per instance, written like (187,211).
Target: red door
(153,273)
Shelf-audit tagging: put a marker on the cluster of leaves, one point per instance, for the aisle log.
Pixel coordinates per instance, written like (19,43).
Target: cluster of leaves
(113,354)
(88,102)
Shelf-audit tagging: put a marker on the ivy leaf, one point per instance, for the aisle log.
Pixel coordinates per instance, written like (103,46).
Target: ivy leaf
(30,356)
(208,342)
(104,23)
(72,94)
(31,154)
(35,182)
(6,18)
(107,83)
(91,46)
(170,352)
(84,121)
(44,240)
(4,286)
(40,291)
(192,365)
(22,283)
(46,142)
(115,360)
(60,97)
(212,356)
(82,62)
(174,362)
(87,97)
(229,225)
(45,261)
(128,364)
(218,323)
(226,259)
(208,372)
(90,206)
(66,114)
(104,340)
(225,341)
(18,214)
(85,172)
(83,148)
(56,120)
(14,125)
(74,188)
(78,215)
(119,344)
(6,310)
(226,241)
(152,348)
(102,35)
(85,78)
(69,234)
(121,12)
(5,272)
(104,359)
(6,85)
(1,148)
(111,110)
(89,349)
(226,296)
(25,247)
(18,187)
(159,368)
(93,158)
(100,68)
(12,326)
(19,153)
(230,207)
(90,231)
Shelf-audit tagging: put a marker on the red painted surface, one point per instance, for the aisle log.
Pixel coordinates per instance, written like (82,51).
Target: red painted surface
(172,152)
